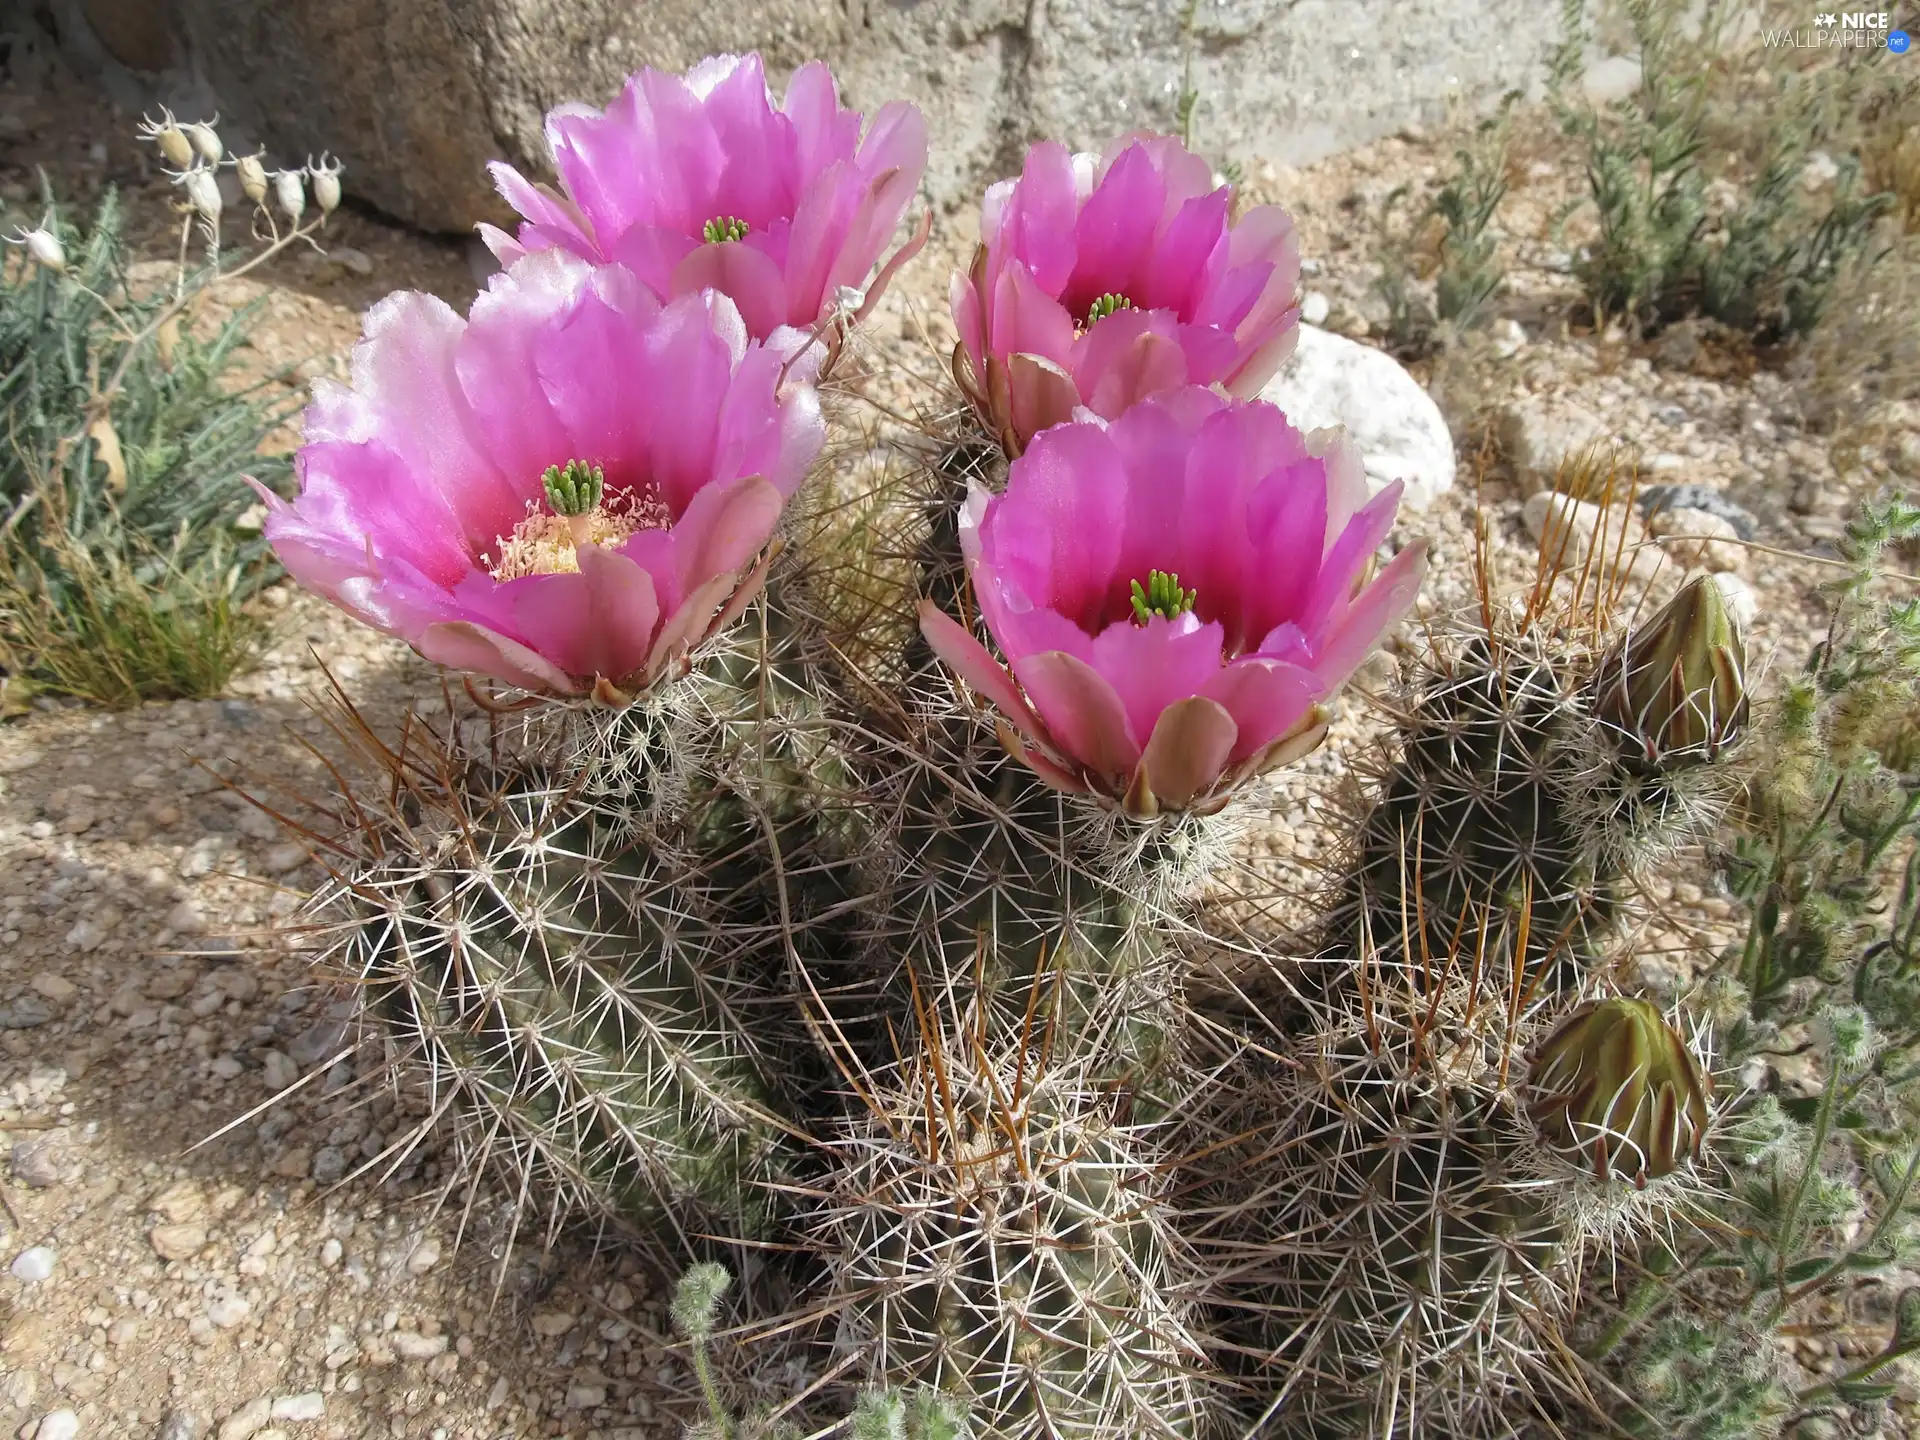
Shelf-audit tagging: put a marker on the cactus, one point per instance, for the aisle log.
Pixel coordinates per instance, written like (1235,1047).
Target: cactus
(996,1233)
(1390,1218)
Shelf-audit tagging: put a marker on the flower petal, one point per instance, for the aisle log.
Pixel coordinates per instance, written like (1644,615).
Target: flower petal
(1189,749)
(1081,711)
(599,622)
(1266,699)
(464,645)
(957,648)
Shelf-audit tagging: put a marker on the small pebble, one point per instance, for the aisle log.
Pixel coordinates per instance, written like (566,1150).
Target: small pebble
(409,1345)
(424,1257)
(58,1425)
(552,1322)
(228,1311)
(34,1163)
(330,1253)
(32,1266)
(279,1071)
(180,1425)
(248,1420)
(309,1406)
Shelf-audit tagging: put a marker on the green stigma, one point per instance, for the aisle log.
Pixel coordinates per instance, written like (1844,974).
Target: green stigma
(574,488)
(1105,306)
(724,228)
(1161,596)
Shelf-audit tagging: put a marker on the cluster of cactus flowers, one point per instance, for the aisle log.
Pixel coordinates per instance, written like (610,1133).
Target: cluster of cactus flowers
(833,899)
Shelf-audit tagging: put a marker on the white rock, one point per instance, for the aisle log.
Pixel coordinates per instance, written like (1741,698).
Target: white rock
(330,1252)
(58,1425)
(1699,538)
(1315,307)
(410,1345)
(1613,77)
(310,1406)
(1509,337)
(586,1396)
(32,1266)
(247,1421)
(1398,430)
(1537,437)
(424,1257)
(1567,529)
(228,1311)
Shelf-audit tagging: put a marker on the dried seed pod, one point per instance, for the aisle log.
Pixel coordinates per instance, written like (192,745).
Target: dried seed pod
(203,193)
(206,140)
(165,132)
(290,193)
(326,183)
(253,178)
(43,247)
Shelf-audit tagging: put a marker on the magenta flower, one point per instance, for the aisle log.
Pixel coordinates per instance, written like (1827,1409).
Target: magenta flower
(1097,284)
(567,491)
(700,183)
(1176,594)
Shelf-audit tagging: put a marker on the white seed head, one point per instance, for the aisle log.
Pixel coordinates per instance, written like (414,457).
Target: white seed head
(44,247)
(290,192)
(206,141)
(172,140)
(326,183)
(253,177)
(203,191)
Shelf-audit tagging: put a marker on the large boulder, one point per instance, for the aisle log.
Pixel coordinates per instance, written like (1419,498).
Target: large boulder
(415,96)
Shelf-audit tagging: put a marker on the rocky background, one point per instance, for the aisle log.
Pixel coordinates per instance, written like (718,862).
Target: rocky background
(415,97)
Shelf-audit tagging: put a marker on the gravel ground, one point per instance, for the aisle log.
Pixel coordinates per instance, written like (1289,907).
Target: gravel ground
(189,1258)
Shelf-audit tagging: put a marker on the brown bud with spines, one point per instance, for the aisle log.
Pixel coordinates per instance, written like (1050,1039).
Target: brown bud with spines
(1617,1089)
(1675,688)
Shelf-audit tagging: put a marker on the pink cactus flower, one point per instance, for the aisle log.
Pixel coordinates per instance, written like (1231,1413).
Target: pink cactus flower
(700,183)
(566,491)
(1177,593)
(1100,282)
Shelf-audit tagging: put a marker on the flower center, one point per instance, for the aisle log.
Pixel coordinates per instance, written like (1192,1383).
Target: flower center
(1162,596)
(1104,307)
(723,228)
(547,542)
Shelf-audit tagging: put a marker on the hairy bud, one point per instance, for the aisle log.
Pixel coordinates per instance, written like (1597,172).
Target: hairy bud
(696,1299)
(1617,1088)
(1676,686)
(253,178)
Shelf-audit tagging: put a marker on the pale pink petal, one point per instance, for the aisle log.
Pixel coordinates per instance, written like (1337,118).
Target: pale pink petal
(1266,699)
(1081,711)
(1378,609)
(599,622)
(1153,665)
(723,528)
(957,648)
(1125,358)
(745,275)
(463,645)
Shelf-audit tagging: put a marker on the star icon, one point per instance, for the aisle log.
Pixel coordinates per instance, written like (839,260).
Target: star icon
(1827,20)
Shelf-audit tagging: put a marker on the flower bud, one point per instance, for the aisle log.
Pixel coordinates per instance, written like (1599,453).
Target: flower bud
(326,184)
(290,192)
(1675,687)
(203,192)
(1617,1089)
(253,178)
(44,247)
(696,1299)
(206,141)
